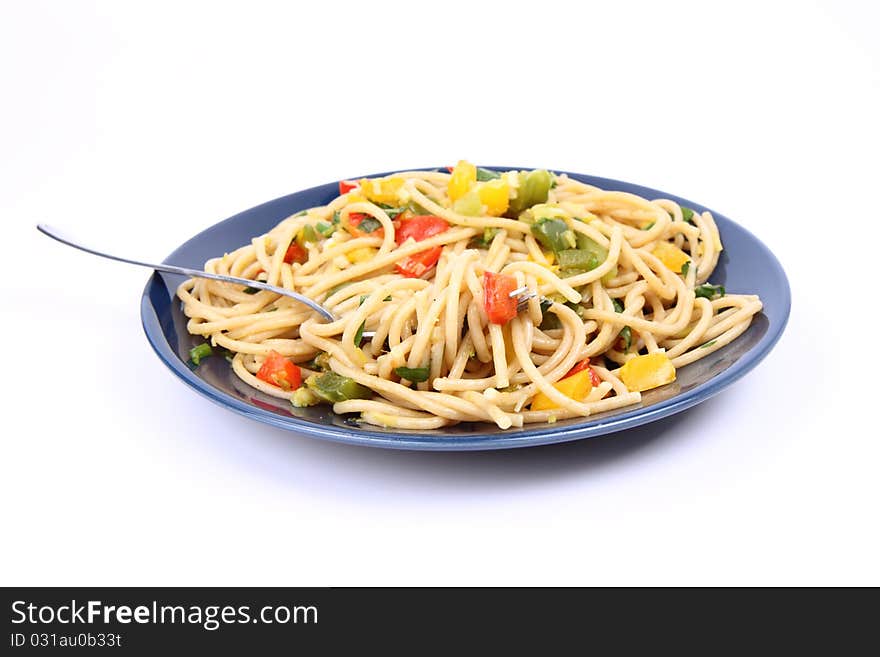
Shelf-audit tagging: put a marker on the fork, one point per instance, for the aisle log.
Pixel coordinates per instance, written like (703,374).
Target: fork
(186,271)
(522,294)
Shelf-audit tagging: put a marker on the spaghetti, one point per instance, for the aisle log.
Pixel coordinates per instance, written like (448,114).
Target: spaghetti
(505,297)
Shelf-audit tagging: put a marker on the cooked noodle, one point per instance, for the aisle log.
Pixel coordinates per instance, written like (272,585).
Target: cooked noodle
(475,370)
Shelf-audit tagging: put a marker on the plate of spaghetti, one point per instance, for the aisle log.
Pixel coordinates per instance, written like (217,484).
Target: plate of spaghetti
(475,308)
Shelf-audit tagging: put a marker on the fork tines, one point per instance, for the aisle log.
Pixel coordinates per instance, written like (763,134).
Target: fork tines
(522,296)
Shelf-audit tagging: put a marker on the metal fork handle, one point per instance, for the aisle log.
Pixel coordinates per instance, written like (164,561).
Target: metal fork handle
(186,271)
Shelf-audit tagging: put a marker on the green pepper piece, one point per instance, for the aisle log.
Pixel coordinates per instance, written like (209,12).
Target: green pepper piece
(554,234)
(599,252)
(333,387)
(199,352)
(325,229)
(610,276)
(307,234)
(469,205)
(486,174)
(577,260)
(534,186)
(414,374)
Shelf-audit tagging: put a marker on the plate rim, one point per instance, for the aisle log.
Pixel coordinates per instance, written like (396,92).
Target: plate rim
(540,434)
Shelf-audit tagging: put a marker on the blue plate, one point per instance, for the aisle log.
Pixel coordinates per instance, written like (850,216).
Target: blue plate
(746,266)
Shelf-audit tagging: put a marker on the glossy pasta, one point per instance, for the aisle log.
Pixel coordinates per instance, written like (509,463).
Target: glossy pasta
(414,261)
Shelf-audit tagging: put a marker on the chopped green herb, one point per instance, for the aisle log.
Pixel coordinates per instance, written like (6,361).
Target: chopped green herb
(196,354)
(626,338)
(301,213)
(685,267)
(687,214)
(324,228)
(486,174)
(369,225)
(362,299)
(414,374)
(708,344)
(336,218)
(390,210)
(625,334)
(251,290)
(709,291)
(649,226)
(359,335)
(388,298)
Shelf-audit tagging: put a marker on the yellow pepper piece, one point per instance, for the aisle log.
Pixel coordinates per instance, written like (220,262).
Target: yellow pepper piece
(361,255)
(576,386)
(360,358)
(671,256)
(495,195)
(382,190)
(464,175)
(647,371)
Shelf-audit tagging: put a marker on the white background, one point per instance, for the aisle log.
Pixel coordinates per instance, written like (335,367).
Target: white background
(136,125)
